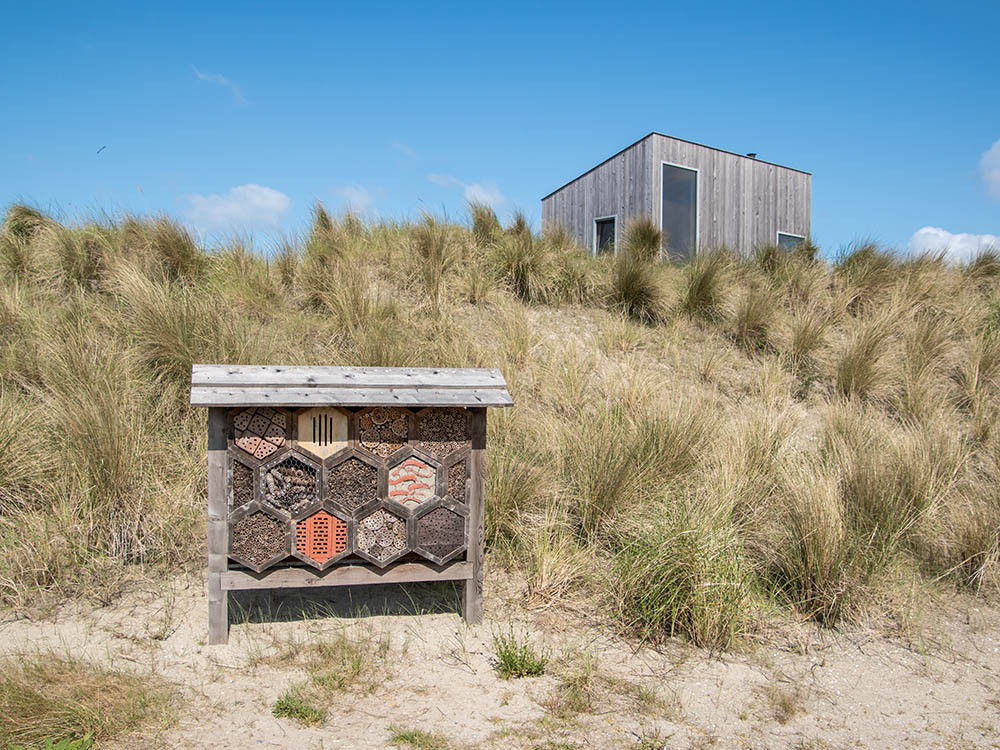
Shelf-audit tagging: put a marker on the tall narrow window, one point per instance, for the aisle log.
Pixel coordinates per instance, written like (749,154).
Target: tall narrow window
(789,241)
(679,211)
(604,235)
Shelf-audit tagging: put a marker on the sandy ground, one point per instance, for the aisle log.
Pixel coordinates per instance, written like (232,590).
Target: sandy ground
(938,687)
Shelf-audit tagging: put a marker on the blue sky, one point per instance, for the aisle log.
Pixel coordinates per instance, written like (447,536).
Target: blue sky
(240,115)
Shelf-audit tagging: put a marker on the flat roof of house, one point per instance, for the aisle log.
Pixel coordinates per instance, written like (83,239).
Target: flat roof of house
(673,137)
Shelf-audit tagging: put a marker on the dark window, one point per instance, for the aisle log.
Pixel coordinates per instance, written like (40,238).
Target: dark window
(604,235)
(789,241)
(679,217)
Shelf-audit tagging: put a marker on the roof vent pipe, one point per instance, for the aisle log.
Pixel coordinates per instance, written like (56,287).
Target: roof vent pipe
(753,155)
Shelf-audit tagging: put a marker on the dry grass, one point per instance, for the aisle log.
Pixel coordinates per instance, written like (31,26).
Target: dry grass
(353,659)
(705,286)
(45,696)
(349,660)
(733,437)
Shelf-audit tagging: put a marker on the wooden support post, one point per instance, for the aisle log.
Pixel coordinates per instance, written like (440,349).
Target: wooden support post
(472,602)
(218,535)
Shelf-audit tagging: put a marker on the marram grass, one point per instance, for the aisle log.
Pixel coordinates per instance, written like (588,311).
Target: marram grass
(692,448)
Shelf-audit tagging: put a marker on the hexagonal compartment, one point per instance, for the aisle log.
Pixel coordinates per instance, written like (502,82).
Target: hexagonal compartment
(381,537)
(412,482)
(458,472)
(352,483)
(322,431)
(440,533)
(290,483)
(383,430)
(260,431)
(258,539)
(442,431)
(244,489)
(321,537)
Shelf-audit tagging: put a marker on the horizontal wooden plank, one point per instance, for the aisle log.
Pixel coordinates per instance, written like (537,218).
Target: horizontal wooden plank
(295,397)
(345,575)
(301,376)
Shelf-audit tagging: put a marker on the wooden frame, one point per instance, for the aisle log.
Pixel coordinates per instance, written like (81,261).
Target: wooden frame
(697,207)
(780,234)
(221,388)
(595,250)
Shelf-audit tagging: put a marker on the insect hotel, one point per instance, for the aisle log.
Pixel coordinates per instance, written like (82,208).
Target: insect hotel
(334,476)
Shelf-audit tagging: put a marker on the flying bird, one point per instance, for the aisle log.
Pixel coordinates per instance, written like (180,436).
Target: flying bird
(101,149)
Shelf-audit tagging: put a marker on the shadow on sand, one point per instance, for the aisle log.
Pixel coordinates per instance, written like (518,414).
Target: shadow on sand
(289,605)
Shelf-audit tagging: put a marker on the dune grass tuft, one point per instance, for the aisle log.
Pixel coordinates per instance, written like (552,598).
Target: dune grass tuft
(486,227)
(705,285)
(24,222)
(46,696)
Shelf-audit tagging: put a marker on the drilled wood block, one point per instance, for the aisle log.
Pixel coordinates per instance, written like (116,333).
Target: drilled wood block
(441,533)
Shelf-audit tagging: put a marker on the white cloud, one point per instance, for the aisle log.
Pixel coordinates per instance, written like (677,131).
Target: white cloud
(474,192)
(488,194)
(958,248)
(356,197)
(989,167)
(243,207)
(221,80)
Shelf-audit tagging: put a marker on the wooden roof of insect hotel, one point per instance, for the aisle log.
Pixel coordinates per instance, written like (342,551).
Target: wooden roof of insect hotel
(296,385)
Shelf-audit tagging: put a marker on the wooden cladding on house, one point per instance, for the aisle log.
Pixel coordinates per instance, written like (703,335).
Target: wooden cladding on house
(741,202)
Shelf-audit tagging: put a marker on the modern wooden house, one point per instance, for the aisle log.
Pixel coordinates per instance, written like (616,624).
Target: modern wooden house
(701,197)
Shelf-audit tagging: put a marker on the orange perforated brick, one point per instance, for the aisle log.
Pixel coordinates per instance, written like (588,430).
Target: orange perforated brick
(320,536)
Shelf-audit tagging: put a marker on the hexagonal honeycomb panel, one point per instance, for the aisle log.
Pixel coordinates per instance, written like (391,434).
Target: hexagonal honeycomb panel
(457,474)
(290,484)
(383,430)
(258,537)
(322,431)
(259,431)
(381,535)
(411,482)
(320,536)
(441,432)
(441,532)
(243,489)
(352,483)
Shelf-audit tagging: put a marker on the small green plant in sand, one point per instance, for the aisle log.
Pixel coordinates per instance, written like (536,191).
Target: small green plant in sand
(293,705)
(417,739)
(515,656)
